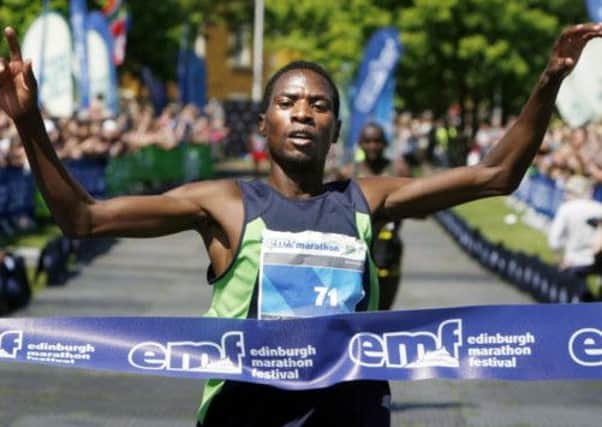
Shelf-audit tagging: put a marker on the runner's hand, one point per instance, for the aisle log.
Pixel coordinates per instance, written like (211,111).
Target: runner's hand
(568,48)
(18,88)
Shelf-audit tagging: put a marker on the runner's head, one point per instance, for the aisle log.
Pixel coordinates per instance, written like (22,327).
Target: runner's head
(373,141)
(299,115)
(296,66)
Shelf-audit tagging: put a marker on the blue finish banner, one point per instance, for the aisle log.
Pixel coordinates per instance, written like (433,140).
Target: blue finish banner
(514,342)
(374,83)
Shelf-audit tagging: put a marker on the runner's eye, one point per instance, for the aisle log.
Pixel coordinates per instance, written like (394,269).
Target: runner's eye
(321,106)
(285,103)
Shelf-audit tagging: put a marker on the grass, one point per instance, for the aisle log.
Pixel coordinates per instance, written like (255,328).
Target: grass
(488,215)
(36,238)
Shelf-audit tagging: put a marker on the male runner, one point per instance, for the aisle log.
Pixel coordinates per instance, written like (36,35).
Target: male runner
(387,247)
(299,118)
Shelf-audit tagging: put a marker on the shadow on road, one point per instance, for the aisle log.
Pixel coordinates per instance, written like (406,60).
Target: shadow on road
(431,406)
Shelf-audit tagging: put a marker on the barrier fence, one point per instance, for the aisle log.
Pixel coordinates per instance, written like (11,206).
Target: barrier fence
(527,272)
(544,194)
(150,169)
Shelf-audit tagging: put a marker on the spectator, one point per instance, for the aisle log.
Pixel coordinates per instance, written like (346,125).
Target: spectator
(258,149)
(387,247)
(570,229)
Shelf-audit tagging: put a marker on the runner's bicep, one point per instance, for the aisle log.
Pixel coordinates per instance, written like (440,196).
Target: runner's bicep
(143,216)
(422,196)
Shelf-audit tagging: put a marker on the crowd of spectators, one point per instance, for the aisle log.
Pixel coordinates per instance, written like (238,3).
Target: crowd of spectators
(97,134)
(418,139)
(565,151)
(569,163)
(423,139)
(568,152)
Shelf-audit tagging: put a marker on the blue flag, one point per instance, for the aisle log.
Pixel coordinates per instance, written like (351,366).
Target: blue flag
(373,89)
(191,78)
(156,90)
(108,82)
(594,9)
(78,14)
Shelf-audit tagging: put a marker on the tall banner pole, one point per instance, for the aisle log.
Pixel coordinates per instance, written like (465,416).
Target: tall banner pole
(257,50)
(43,48)
(78,13)
(182,69)
(102,73)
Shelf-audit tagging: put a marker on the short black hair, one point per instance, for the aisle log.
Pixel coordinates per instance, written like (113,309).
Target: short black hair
(379,128)
(301,65)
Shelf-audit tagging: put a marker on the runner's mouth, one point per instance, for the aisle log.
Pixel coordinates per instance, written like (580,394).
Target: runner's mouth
(300,137)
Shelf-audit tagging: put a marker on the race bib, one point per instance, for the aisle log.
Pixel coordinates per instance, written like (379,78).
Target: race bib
(309,274)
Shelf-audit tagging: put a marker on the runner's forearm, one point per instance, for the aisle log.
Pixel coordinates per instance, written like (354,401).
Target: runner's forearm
(66,198)
(514,153)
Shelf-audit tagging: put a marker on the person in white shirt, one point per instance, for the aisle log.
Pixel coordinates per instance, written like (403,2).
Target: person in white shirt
(570,229)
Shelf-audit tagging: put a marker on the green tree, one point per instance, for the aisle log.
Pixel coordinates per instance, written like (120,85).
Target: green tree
(159,28)
(332,33)
(156,29)
(474,52)
(477,52)
(20,14)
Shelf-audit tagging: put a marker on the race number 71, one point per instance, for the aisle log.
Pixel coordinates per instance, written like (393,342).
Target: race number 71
(324,296)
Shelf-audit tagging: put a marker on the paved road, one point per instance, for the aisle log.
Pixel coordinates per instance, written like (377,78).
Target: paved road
(167,277)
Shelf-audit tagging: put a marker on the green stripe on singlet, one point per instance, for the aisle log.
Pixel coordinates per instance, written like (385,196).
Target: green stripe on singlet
(232,293)
(364,229)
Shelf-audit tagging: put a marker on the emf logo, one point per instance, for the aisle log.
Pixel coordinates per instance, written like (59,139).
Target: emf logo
(585,347)
(190,356)
(10,344)
(409,349)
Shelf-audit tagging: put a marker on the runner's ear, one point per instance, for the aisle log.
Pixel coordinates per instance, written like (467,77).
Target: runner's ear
(261,123)
(337,132)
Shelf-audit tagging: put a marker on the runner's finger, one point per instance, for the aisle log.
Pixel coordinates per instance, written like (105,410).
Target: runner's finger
(13,44)
(28,72)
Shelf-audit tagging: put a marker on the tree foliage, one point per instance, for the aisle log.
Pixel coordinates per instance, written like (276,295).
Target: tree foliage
(156,31)
(473,52)
(20,14)
(477,51)
(332,33)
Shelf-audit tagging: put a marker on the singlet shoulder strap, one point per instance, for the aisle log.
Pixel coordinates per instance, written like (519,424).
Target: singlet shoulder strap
(358,199)
(257,197)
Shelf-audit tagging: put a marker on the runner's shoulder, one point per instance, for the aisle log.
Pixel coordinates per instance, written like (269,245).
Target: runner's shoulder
(210,192)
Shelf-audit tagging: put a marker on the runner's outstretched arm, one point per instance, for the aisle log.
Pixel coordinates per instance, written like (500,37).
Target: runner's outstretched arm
(73,209)
(501,171)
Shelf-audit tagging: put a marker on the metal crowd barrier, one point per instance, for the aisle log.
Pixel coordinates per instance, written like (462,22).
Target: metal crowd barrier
(147,170)
(527,272)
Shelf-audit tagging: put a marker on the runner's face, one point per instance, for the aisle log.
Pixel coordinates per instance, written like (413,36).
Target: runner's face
(300,123)
(372,141)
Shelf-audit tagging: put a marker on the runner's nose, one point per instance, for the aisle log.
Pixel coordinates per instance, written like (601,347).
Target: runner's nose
(302,112)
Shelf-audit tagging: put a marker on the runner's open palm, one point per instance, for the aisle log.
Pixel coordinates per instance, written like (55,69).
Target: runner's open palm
(18,89)
(568,47)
